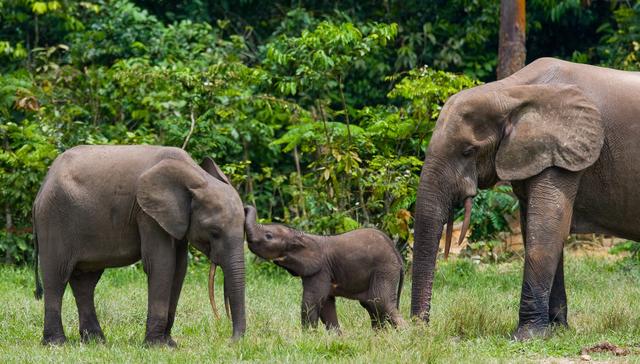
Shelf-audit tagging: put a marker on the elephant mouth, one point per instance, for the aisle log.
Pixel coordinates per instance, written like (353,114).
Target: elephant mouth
(468,203)
(264,253)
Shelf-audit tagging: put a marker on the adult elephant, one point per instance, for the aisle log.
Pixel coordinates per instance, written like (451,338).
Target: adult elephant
(566,136)
(110,206)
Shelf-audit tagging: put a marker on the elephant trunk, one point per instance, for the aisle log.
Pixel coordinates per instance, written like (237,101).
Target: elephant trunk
(433,209)
(234,286)
(250,223)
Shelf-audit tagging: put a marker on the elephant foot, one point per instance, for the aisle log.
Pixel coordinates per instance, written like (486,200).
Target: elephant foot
(528,332)
(56,340)
(160,341)
(88,336)
(558,321)
(559,324)
(236,337)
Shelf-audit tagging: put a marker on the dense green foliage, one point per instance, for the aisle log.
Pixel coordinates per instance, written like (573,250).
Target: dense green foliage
(474,309)
(320,113)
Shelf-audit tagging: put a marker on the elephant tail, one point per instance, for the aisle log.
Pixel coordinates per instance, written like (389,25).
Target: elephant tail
(38,291)
(400,284)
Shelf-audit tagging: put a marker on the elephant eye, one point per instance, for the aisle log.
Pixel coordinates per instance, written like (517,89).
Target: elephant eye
(468,151)
(268,236)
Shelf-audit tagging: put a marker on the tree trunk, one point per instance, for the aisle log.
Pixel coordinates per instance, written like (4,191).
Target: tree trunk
(512,50)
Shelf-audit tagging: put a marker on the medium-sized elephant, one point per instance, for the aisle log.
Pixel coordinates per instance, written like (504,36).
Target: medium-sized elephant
(110,206)
(362,264)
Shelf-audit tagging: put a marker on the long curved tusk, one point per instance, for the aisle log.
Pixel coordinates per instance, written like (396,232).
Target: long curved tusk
(468,202)
(226,306)
(447,242)
(212,298)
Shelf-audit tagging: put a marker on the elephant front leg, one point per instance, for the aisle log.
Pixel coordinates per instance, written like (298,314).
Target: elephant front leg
(315,292)
(159,262)
(329,316)
(178,279)
(549,209)
(558,298)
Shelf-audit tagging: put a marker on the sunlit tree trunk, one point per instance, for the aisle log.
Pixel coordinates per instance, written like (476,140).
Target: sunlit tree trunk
(512,50)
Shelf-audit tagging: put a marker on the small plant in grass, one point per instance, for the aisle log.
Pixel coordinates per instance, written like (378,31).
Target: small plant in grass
(631,263)
(629,246)
(489,218)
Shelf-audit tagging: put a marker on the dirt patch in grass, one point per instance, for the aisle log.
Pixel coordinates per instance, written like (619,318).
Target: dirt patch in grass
(605,347)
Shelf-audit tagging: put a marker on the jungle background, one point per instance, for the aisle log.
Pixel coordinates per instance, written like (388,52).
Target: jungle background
(319,111)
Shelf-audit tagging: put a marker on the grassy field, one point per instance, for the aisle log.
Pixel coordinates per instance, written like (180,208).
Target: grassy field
(475,308)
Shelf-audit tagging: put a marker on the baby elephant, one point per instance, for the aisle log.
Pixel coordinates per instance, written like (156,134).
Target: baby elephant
(362,264)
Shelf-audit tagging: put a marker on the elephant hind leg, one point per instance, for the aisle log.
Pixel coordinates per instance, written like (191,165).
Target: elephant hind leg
(383,299)
(83,285)
(382,313)
(376,321)
(54,283)
(394,317)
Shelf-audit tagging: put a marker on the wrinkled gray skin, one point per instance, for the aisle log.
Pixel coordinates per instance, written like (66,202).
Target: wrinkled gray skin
(566,136)
(362,265)
(110,206)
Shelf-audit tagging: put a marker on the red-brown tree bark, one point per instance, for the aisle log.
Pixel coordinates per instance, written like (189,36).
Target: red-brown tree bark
(512,49)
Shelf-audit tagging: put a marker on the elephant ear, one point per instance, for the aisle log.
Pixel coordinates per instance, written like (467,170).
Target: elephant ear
(212,168)
(302,255)
(547,125)
(164,192)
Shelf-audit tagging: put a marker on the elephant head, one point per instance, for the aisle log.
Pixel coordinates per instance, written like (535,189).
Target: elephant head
(200,205)
(293,250)
(489,133)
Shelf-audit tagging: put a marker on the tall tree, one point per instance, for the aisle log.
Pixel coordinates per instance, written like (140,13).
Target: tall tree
(512,50)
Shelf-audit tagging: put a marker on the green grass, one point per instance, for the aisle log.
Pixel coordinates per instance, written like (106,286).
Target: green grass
(474,310)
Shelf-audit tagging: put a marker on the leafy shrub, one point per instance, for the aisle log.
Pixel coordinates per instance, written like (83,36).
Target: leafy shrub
(309,110)
(620,45)
(491,209)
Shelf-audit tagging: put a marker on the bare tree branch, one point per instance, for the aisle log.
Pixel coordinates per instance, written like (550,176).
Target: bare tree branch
(193,126)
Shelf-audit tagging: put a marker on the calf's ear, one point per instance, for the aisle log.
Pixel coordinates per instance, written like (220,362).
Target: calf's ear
(303,255)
